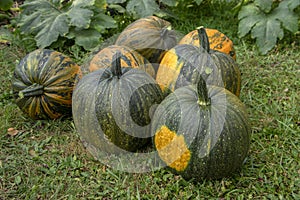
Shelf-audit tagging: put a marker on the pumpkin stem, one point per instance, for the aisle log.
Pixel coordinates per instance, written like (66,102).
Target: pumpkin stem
(203,99)
(116,64)
(32,90)
(165,31)
(203,39)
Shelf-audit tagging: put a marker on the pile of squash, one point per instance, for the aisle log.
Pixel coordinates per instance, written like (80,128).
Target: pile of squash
(148,89)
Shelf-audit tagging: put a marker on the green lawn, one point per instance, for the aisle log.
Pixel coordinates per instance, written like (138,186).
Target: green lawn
(46,159)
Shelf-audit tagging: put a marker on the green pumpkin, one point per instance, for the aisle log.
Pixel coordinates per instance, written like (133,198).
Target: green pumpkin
(130,58)
(112,108)
(150,36)
(183,64)
(43,84)
(201,132)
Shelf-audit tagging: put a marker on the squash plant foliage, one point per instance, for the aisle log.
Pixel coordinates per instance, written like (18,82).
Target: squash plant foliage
(144,8)
(140,8)
(50,21)
(267,19)
(5,5)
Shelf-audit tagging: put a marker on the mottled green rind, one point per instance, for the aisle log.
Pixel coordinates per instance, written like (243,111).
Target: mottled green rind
(217,68)
(150,36)
(129,58)
(43,83)
(113,115)
(224,123)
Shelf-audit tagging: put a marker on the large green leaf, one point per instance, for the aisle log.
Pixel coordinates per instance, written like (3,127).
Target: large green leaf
(38,6)
(100,4)
(169,2)
(101,22)
(6,4)
(285,14)
(265,5)
(52,28)
(267,25)
(266,33)
(88,39)
(115,1)
(83,3)
(28,23)
(44,20)
(80,17)
(248,16)
(50,19)
(142,8)
(291,4)
(198,2)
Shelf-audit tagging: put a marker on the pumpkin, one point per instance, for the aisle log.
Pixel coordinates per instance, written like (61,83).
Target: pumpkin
(201,132)
(183,64)
(130,58)
(112,108)
(150,36)
(217,41)
(43,84)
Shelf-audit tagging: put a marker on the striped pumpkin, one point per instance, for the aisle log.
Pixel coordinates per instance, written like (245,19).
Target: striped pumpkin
(183,64)
(43,84)
(111,108)
(150,36)
(129,58)
(217,41)
(201,132)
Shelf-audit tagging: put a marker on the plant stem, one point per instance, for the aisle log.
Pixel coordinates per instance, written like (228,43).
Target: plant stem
(203,99)
(203,39)
(32,90)
(164,32)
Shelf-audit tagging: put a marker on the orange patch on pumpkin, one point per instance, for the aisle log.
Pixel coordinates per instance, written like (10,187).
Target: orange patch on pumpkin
(172,148)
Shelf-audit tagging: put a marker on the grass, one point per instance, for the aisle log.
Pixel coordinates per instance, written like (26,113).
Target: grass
(46,159)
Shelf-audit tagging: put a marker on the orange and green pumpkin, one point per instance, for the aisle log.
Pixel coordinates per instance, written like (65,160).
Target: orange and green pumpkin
(217,41)
(150,36)
(43,84)
(183,64)
(129,58)
(201,132)
(111,108)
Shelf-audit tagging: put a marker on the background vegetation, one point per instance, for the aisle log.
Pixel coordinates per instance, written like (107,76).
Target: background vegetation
(46,160)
